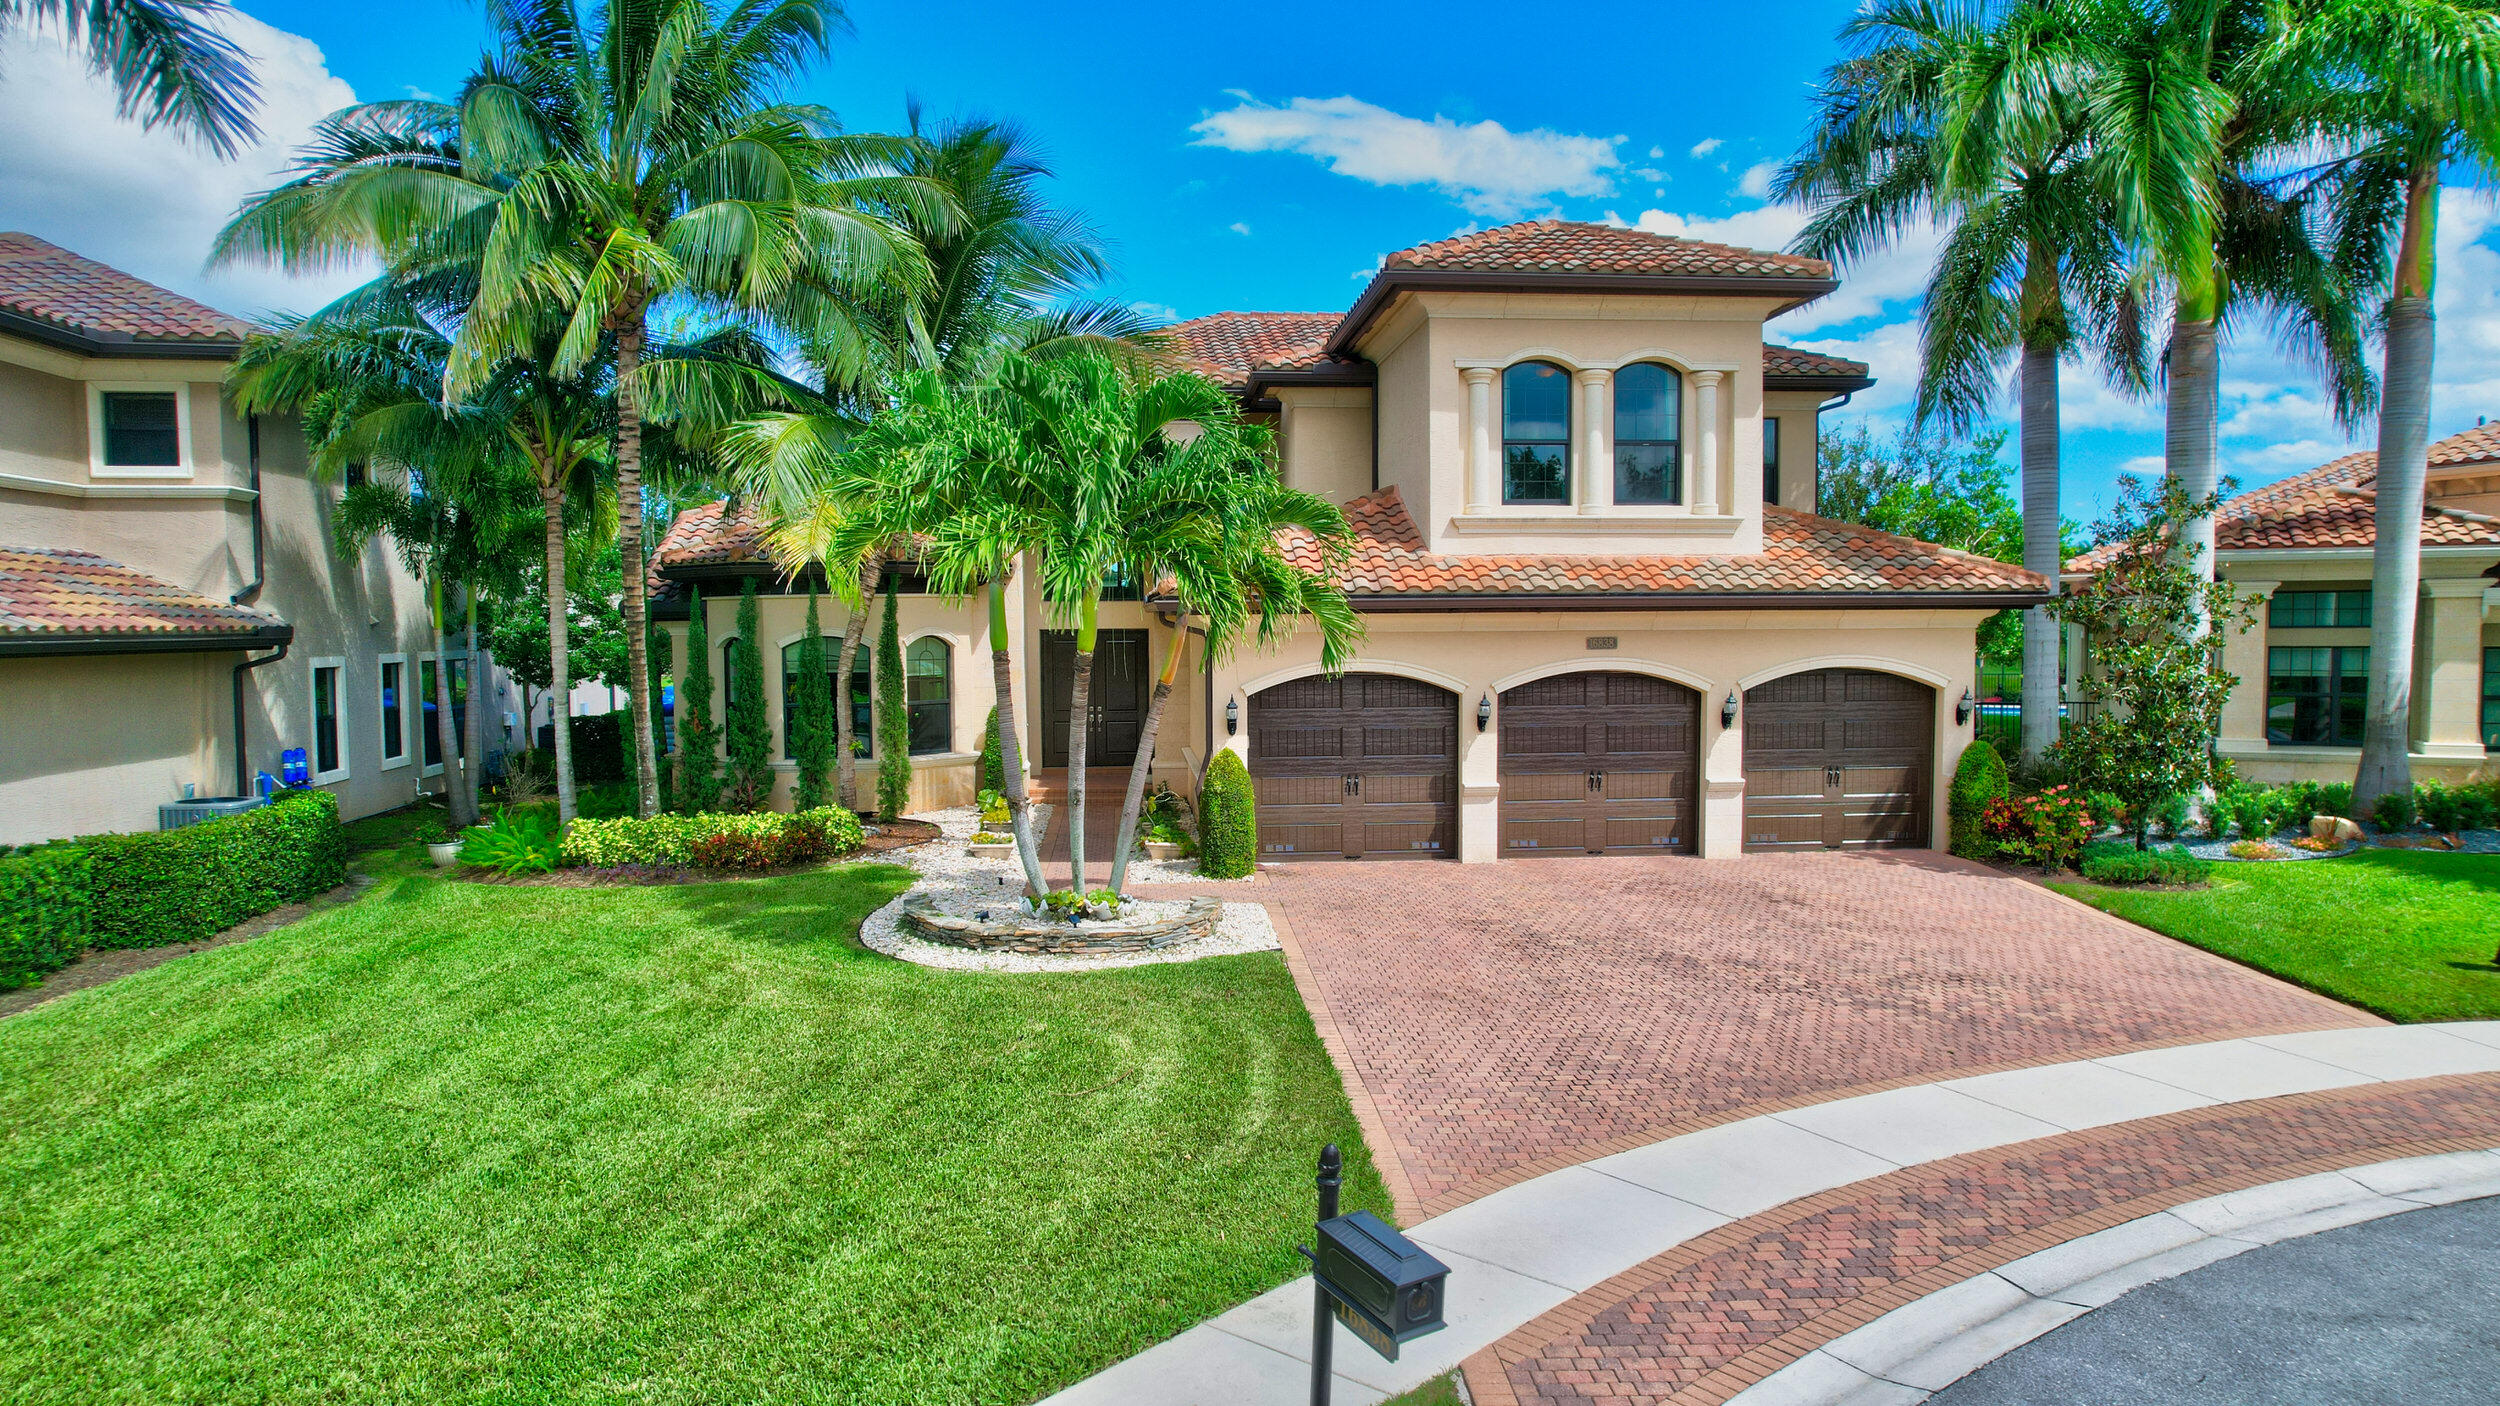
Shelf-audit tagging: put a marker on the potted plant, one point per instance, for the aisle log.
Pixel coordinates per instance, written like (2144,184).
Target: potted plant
(441,845)
(988,844)
(1166,836)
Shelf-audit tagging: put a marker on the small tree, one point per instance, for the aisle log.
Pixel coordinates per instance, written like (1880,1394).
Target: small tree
(893,717)
(1978,779)
(811,716)
(2161,683)
(698,737)
(1228,826)
(750,733)
(656,651)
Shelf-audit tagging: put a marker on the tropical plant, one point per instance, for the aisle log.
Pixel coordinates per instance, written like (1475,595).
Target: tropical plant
(893,716)
(518,842)
(165,59)
(2161,678)
(1938,116)
(594,168)
(811,716)
(698,736)
(750,733)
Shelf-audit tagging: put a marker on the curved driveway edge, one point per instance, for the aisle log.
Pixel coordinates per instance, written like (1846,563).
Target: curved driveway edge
(1532,1248)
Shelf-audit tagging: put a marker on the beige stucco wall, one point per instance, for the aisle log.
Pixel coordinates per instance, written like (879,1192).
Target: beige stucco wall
(1801,437)
(96,744)
(1324,440)
(1715,652)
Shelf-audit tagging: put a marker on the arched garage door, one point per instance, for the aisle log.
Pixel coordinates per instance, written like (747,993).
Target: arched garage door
(1838,759)
(1362,766)
(1599,763)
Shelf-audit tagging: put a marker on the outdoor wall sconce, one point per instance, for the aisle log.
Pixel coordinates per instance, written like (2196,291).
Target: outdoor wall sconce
(1727,710)
(1232,716)
(1484,712)
(1961,710)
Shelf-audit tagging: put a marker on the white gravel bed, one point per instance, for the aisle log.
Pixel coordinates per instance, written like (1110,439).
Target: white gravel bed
(959,883)
(2220,850)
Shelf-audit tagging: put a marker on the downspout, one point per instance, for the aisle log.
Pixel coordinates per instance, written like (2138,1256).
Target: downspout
(251,588)
(1375,433)
(242,739)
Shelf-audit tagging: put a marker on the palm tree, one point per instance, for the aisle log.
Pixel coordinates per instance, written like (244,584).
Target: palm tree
(2402,87)
(170,66)
(593,169)
(1925,122)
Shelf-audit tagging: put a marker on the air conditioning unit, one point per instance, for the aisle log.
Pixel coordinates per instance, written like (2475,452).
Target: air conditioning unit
(182,813)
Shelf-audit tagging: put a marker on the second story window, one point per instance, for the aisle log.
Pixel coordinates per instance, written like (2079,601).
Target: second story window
(1648,450)
(1536,434)
(1770,459)
(138,431)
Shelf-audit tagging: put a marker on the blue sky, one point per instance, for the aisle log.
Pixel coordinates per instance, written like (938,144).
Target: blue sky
(1260,157)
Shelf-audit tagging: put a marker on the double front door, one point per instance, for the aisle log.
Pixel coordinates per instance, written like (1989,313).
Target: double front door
(1116,707)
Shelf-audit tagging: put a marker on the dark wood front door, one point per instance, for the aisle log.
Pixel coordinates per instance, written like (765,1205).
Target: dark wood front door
(1838,759)
(1116,702)
(1363,766)
(1599,763)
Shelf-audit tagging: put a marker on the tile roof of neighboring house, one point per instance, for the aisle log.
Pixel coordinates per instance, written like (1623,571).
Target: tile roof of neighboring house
(1573,246)
(1796,361)
(53,592)
(1801,555)
(1230,345)
(2335,506)
(711,534)
(71,293)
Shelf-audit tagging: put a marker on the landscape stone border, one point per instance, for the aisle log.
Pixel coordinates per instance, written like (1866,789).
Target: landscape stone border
(1040,936)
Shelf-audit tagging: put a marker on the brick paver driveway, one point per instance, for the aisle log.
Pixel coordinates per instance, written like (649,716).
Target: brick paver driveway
(1497,1021)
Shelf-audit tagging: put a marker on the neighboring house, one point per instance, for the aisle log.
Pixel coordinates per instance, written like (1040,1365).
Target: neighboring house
(173,611)
(2304,544)
(1602,617)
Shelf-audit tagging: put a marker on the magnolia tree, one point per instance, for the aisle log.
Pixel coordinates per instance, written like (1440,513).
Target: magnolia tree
(2161,682)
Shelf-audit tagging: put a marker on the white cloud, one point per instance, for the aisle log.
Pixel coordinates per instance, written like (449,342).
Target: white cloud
(1657,151)
(1156,312)
(149,202)
(1886,283)
(1703,147)
(1240,227)
(1756,182)
(1487,168)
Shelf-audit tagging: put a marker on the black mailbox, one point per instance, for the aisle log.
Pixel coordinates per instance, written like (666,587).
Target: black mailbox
(1390,1284)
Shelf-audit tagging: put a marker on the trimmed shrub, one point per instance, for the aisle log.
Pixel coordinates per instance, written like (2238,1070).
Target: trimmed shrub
(2442,807)
(811,715)
(2335,798)
(993,757)
(2116,862)
(750,777)
(1978,781)
(1228,825)
(165,886)
(2174,813)
(681,839)
(598,747)
(893,716)
(47,909)
(2478,804)
(2395,811)
(2255,811)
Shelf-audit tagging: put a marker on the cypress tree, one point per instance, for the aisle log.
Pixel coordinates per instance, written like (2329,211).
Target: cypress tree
(893,717)
(698,737)
(750,730)
(811,716)
(656,654)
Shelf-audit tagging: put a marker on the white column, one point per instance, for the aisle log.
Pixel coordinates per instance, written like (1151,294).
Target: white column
(1482,492)
(2244,656)
(2448,669)
(1706,465)
(1595,491)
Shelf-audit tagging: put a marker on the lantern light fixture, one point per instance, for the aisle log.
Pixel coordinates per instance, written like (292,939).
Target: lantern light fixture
(1232,716)
(1727,710)
(1962,710)
(1484,712)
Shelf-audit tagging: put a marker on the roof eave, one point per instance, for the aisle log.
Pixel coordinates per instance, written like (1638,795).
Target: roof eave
(1826,384)
(34,645)
(1388,283)
(89,342)
(1357,373)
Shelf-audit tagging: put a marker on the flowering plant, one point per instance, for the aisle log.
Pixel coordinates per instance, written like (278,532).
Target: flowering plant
(2048,828)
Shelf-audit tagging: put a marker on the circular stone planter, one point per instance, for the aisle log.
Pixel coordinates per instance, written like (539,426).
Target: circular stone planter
(1018,933)
(445,854)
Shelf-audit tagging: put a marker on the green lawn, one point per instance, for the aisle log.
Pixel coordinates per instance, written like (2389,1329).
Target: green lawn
(456,1142)
(2405,934)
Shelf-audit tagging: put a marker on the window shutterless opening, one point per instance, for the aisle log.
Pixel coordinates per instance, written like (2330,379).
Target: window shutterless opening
(1649,464)
(1536,434)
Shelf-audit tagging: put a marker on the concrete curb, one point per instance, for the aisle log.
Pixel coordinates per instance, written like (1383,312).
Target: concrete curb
(1926,1345)
(1528,1248)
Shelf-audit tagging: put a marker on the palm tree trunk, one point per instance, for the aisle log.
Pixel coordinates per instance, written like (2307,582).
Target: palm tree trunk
(2041,694)
(473,738)
(1124,845)
(1010,758)
(1080,701)
(2188,434)
(446,741)
(559,646)
(845,732)
(629,550)
(2403,462)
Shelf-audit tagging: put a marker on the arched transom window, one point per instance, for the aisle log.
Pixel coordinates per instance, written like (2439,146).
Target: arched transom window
(1536,434)
(1648,444)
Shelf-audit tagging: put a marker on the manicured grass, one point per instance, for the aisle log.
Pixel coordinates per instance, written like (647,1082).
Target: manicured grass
(466,1143)
(2407,935)
(1440,1391)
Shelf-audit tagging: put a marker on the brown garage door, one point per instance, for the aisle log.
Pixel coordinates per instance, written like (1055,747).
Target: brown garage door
(1599,763)
(1364,766)
(1838,759)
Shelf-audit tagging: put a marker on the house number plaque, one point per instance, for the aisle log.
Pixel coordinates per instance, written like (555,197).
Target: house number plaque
(1601,641)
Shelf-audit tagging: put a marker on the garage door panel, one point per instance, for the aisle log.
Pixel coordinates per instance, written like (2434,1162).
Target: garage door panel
(1281,838)
(1383,746)
(1364,766)
(1663,831)
(1651,787)
(1635,734)
(1530,787)
(1784,826)
(1382,838)
(1838,758)
(1285,744)
(1562,834)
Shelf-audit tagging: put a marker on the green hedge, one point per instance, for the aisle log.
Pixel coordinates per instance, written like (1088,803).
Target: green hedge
(673,839)
(2120,862)
(1977,780)
(47,906)
(1228,826)
(182,885)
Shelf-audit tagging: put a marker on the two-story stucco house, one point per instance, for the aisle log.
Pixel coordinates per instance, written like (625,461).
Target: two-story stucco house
(174,614)
(1602,615)
(2304,545)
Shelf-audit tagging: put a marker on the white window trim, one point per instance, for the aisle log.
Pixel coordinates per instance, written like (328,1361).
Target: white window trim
(338,701)
(416,726)
(406,681)
(97,468)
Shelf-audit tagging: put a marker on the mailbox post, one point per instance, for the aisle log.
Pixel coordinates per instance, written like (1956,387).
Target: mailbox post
(1384,1287)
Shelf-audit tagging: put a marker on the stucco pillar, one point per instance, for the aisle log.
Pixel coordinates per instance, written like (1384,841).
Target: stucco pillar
(1706,459)
(1479,779)
(1482,492)
(1595,491)
(2244,655)
(2449,668)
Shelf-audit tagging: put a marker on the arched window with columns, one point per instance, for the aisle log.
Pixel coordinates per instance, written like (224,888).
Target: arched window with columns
(1536,434)
(1649,445)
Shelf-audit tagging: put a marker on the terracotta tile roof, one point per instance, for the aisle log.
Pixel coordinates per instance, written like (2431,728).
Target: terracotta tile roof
(1572,246)
(1800,554)
(48,283)
(1795,361)
(48,591)
(2334,506)
(711,534)
(1230,345)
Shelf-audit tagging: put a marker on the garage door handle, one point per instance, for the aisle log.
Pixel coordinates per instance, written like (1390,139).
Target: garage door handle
(1354,785)
(1597,781)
